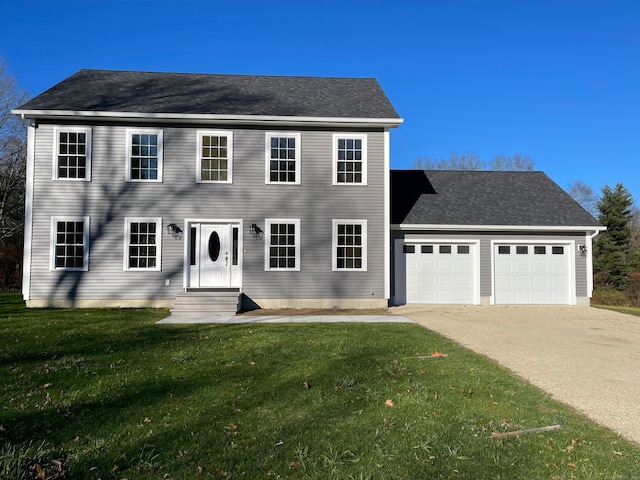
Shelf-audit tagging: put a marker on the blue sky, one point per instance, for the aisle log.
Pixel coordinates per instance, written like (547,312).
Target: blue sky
(556,80)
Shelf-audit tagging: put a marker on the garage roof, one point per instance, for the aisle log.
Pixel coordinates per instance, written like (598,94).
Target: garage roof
(448,197)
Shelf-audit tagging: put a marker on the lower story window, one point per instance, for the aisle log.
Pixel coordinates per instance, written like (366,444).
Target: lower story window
(350,245)
(70,243)
(283,245)
(142,243)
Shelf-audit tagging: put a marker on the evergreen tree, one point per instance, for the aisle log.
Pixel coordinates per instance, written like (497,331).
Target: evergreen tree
(614,257)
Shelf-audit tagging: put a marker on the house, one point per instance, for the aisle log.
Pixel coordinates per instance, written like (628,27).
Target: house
(195,191)
(143,186)
(485,238)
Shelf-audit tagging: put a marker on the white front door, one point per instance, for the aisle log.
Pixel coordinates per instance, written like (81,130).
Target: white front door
(215,255)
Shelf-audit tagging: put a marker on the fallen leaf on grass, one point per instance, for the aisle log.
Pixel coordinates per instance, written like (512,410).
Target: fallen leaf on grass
(294,464)
(146,420)
(389,403)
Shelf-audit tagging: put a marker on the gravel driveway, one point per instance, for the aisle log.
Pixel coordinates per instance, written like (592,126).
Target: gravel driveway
(585,357)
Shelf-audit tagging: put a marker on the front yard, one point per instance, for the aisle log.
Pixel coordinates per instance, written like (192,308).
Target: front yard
(108,394)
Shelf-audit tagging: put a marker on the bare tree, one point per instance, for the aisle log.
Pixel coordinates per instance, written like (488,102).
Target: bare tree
(515,162)
(12,159)
(635,228)
(585,196)
(472,161)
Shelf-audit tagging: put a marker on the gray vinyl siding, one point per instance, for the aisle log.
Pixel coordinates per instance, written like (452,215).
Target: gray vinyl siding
(485,238)
(107,199)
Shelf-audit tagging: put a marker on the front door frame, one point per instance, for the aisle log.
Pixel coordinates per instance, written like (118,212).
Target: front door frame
(236,271)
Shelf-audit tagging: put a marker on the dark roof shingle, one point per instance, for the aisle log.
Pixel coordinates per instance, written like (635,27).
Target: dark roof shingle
(445,197)
(186,93)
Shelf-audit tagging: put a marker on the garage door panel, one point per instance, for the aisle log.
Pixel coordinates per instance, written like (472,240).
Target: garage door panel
(442,274)
(529,277)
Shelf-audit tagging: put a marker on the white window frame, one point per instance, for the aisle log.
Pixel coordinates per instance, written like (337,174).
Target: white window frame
(215,133)
(297,159)
(127,235)
(267,244)
(144,131)
(85,233)
(334,244)
(56,152)
(350,136)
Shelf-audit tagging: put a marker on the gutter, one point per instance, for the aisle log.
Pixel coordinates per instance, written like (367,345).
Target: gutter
(278,120)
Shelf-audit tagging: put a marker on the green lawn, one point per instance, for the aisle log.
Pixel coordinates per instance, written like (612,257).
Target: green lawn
(108,394)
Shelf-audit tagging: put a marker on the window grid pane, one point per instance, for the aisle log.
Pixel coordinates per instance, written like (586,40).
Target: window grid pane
(144,156)
(349,160)
(282,164)
(72,155)
(142,245)
(349,249)
(69,249)
(215,159)
(282,246)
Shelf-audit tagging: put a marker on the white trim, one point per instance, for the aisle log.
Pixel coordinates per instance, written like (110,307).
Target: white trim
(144,131)
(276,120)
(56,152)
(387,216)
(334,244)
(28,213)
(127,231)
(215,133)
(364,161)
(570,244)
(298,158)
(267,243)
(398,251)
(506,228)
(85,233)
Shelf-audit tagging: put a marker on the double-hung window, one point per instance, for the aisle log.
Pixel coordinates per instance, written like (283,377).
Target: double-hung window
(282,248)
(144,155)
(350,245)
(142,243)
(70,243)
(72,154)
(215,156)
(349,159)
(283,157)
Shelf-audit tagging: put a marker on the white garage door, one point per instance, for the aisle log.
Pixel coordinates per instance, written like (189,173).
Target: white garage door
(440,273)
(532,274)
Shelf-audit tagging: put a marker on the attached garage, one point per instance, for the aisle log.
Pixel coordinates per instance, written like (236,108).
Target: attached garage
(487,238)
(533,274)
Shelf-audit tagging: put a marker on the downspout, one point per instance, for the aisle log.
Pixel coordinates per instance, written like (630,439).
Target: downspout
(589,245)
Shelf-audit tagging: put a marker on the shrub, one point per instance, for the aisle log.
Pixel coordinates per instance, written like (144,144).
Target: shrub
(633,289)
(607,296)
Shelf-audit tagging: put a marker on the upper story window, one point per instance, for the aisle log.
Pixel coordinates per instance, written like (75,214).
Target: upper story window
(144,155)
(70,243)
(215,156)
(349,159)
(142,241)
(282,245)
(350,245)
(283,158)
(72,155)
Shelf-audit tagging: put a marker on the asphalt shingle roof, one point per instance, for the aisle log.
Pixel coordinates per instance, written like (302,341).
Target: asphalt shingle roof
(186,93)
(446,197)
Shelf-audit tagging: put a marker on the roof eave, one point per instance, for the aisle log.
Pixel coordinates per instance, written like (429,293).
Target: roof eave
(506,228)
(208,118)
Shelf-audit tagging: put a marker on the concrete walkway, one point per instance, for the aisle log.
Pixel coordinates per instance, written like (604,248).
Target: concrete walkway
(236,319)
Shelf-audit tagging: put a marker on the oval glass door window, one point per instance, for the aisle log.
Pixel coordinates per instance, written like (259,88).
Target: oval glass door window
(214,246)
